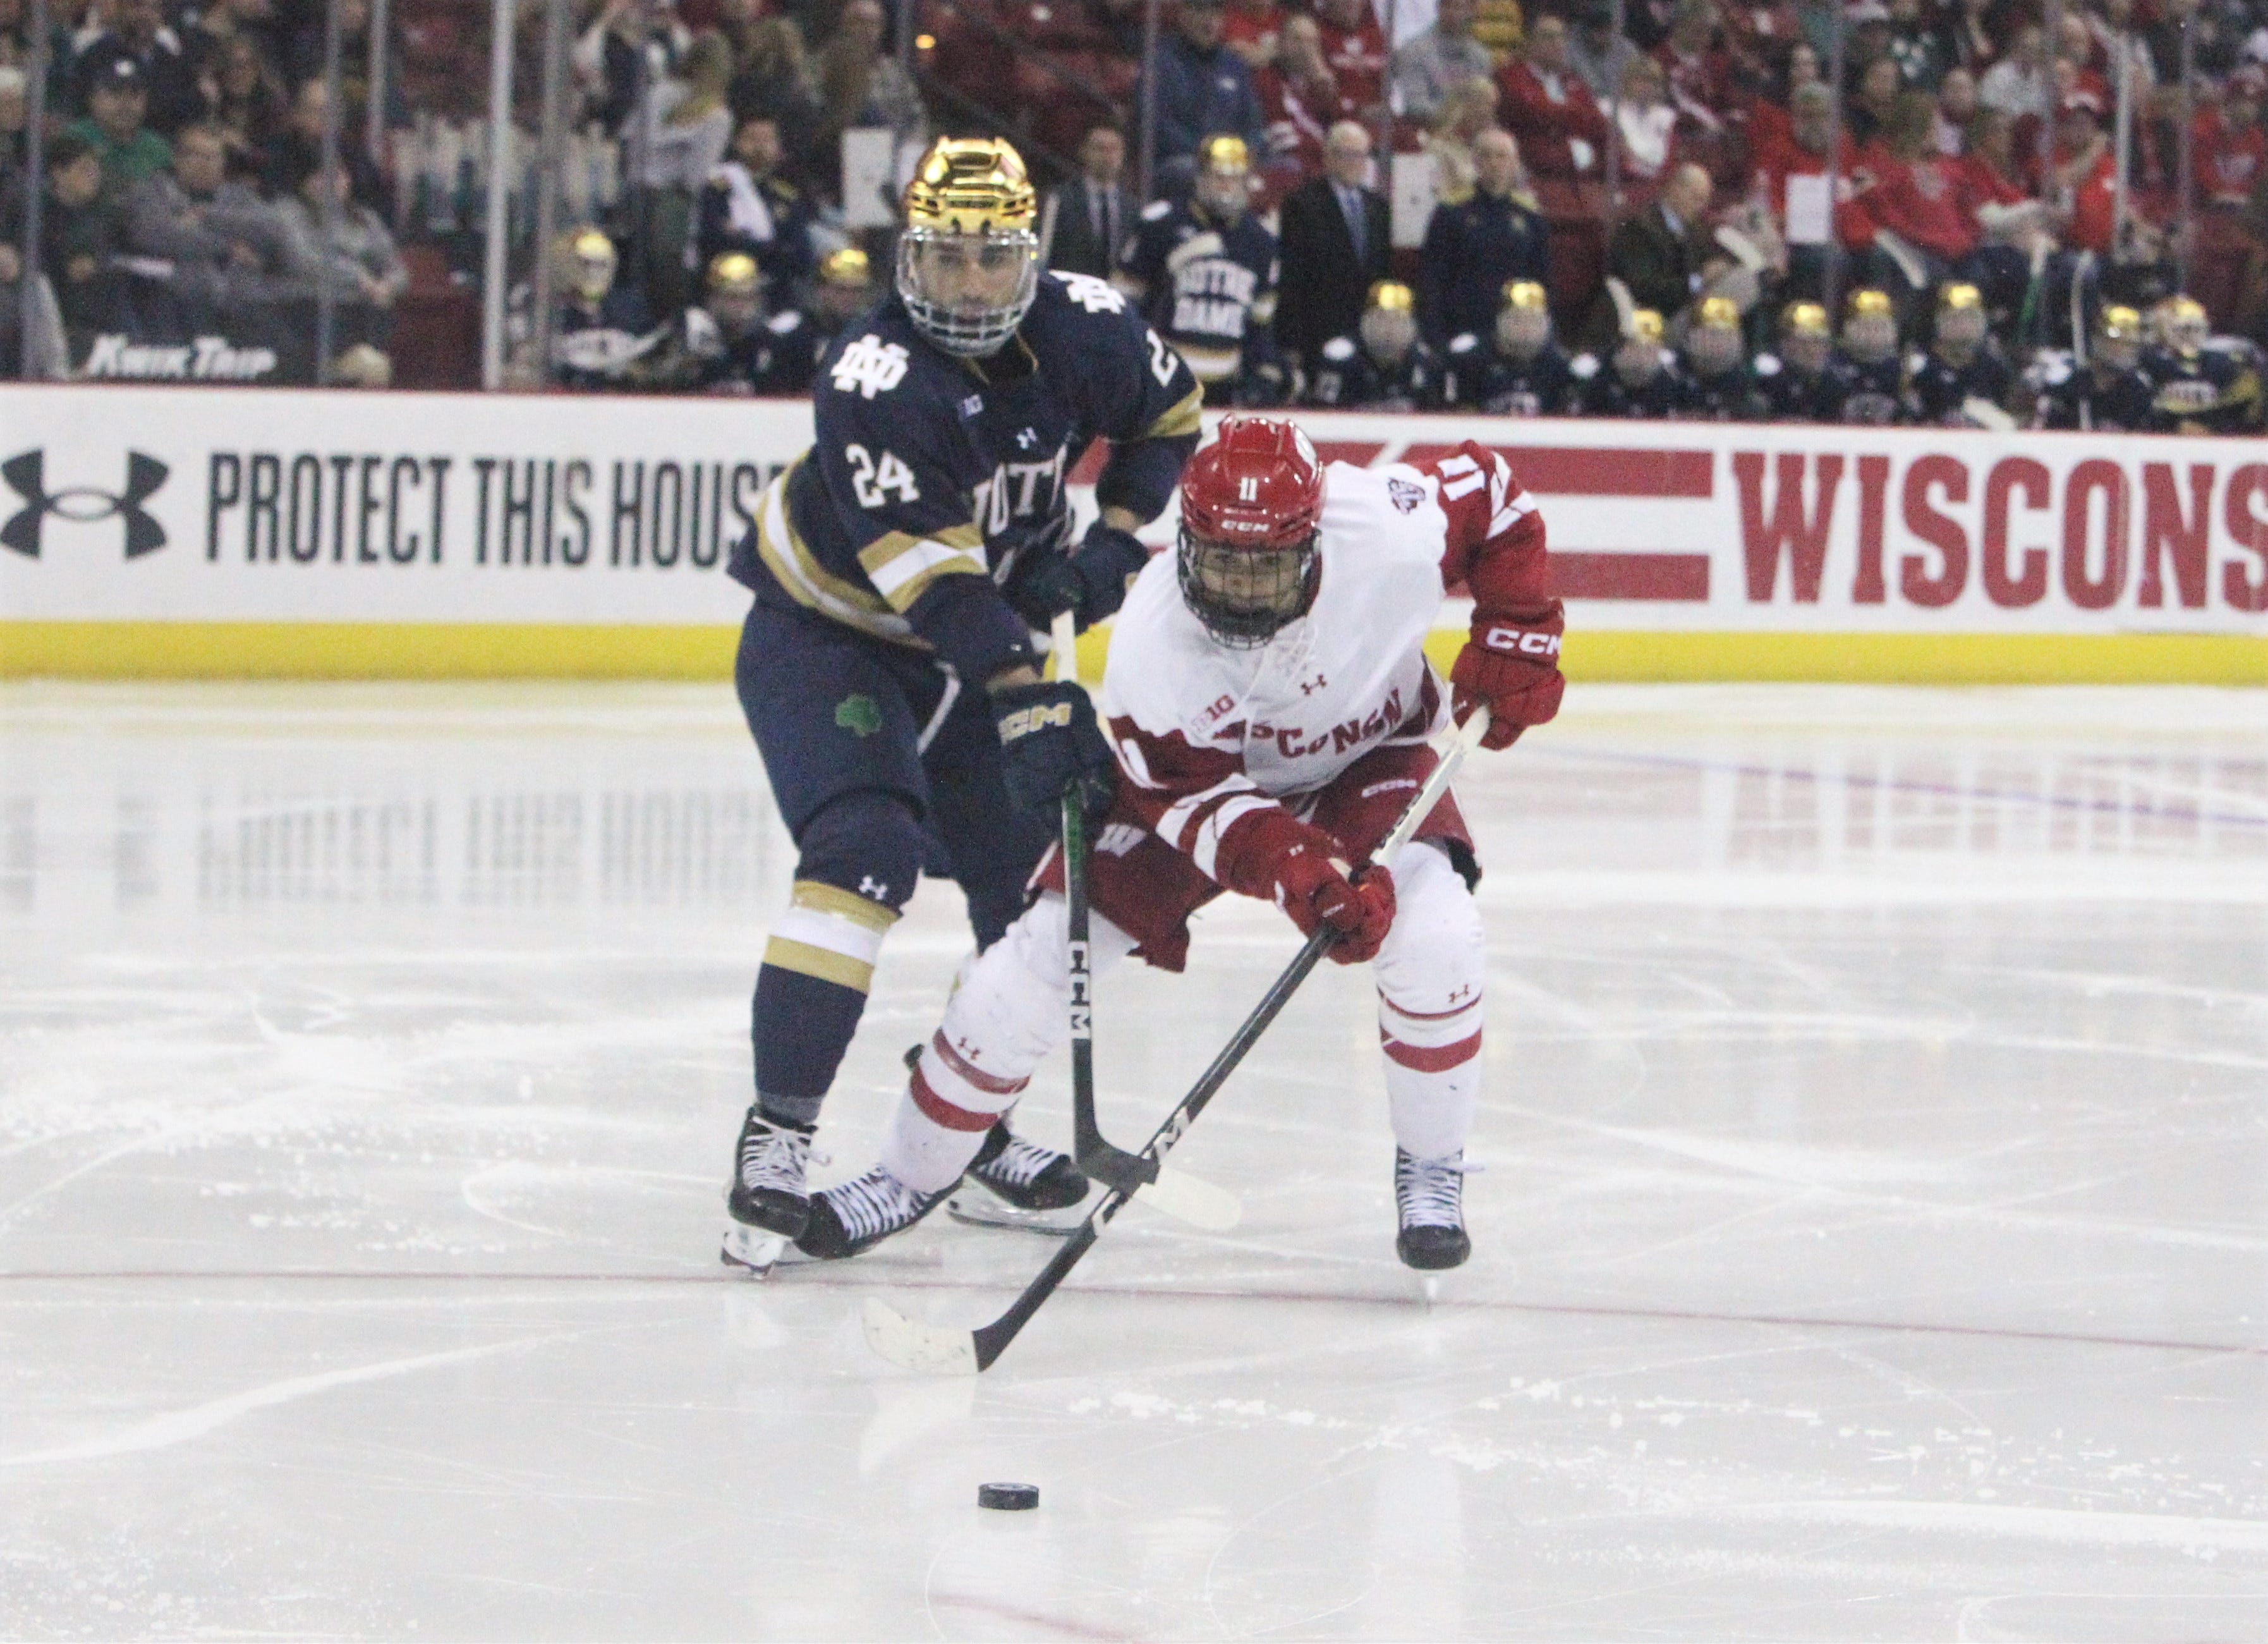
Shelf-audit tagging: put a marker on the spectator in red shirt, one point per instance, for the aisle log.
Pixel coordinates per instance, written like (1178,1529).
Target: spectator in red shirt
(1251,28)
(2084,168)
(1301,100)
(1545,104)
(1355,47)
(2230,151)
(1916,193)
(1803,153)
(2011,225)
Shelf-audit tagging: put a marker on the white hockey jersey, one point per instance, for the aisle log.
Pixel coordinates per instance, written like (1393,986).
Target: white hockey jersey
(1207,736)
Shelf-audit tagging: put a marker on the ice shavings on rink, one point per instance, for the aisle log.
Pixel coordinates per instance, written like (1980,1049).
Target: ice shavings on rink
(1871,1244)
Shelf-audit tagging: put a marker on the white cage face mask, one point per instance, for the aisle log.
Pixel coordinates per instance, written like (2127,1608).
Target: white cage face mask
(968,293)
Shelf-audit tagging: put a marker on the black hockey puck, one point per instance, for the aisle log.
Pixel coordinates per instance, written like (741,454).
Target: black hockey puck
(1009,1497)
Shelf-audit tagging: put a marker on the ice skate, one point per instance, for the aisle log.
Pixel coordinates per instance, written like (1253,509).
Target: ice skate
(768,1187)
(859,1215)
(1429,1195)
(1015,1183)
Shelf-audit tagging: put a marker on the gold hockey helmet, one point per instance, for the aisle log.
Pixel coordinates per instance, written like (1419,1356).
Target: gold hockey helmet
(1391,294)
(971,186)
(734,274)
(845,266)
(1528,294)
(1961,319)
(587,262)
(1645,327)
(968,260)
(2184,325)
(1803,319)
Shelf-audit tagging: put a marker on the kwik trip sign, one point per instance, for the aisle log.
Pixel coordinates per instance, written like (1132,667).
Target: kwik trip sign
(188,505)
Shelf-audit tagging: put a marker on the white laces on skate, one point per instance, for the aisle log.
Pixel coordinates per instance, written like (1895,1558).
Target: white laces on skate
(1430,1192)
(873,1204)
(1018,1164)
(774,1159)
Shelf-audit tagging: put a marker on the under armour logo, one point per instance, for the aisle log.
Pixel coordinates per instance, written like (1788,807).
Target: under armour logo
(1026,439)
(872,888)
(1308,688)
(26,476)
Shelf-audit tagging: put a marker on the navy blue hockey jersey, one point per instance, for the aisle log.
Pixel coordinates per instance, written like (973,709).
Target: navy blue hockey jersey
(1210,290)
(929,474)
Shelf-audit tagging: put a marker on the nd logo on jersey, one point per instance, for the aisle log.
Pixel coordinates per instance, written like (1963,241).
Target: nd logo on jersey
(870,366)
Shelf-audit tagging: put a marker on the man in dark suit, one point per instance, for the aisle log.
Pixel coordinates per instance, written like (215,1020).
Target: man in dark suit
(1087,219)
(1664,254)
(1336,240)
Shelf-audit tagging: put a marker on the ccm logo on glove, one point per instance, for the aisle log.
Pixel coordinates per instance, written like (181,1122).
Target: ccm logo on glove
(1527,641)
(1024,721)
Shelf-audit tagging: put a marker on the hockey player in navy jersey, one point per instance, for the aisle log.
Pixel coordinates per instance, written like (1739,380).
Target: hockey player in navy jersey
(1642,379)
(888,666)
(2108,393)
(1384,367)
(1518,369)
(1868,376)
(1205,272)
(1799,383)
(2201,384)
(727,344)
(1962,365)
(1719,386)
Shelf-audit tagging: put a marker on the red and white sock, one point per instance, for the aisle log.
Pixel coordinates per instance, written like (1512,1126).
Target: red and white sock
(1012,1007)
(1429,974)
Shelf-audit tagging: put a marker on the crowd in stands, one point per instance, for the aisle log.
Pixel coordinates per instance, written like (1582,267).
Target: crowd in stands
(1509,207)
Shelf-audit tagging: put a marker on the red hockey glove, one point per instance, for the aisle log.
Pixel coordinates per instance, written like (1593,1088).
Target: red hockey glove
(1317,888)
(1511,663)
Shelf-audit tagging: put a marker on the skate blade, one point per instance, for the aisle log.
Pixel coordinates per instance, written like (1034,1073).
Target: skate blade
(981,1207)
(755,1252)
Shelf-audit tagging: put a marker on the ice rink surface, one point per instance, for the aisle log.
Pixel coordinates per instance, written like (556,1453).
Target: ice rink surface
(1874,1240)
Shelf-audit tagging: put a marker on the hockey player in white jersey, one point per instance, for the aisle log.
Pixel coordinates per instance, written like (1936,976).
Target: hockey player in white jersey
(1269,702)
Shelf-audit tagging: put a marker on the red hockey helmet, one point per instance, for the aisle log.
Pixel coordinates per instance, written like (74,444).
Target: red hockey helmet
(1252,509)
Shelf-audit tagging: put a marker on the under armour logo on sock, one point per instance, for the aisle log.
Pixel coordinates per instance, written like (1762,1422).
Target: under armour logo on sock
(872,888)
(26,475)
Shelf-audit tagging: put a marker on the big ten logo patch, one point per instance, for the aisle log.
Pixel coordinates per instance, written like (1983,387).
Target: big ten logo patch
(24,531)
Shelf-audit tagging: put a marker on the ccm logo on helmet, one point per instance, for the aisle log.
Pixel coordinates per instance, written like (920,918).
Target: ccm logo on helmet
(1526,641)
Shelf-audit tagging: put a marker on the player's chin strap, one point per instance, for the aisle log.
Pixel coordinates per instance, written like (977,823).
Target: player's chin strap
(916,1346)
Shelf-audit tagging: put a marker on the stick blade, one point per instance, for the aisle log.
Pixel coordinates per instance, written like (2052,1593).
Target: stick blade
(1192,1199)
(919,1347)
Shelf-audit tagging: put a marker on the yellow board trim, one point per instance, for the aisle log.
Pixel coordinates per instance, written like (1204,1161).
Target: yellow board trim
(843,904)
(580,651)
(805,960)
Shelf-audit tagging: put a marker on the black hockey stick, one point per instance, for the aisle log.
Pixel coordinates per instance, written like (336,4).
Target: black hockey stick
(916,1346)
(1113,1167)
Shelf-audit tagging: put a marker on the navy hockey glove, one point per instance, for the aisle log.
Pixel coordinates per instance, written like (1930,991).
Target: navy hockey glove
(1090,584)
(1106,560)
(1051,739)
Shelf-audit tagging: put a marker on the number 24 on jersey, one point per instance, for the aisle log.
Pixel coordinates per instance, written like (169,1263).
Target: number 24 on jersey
(874,480)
